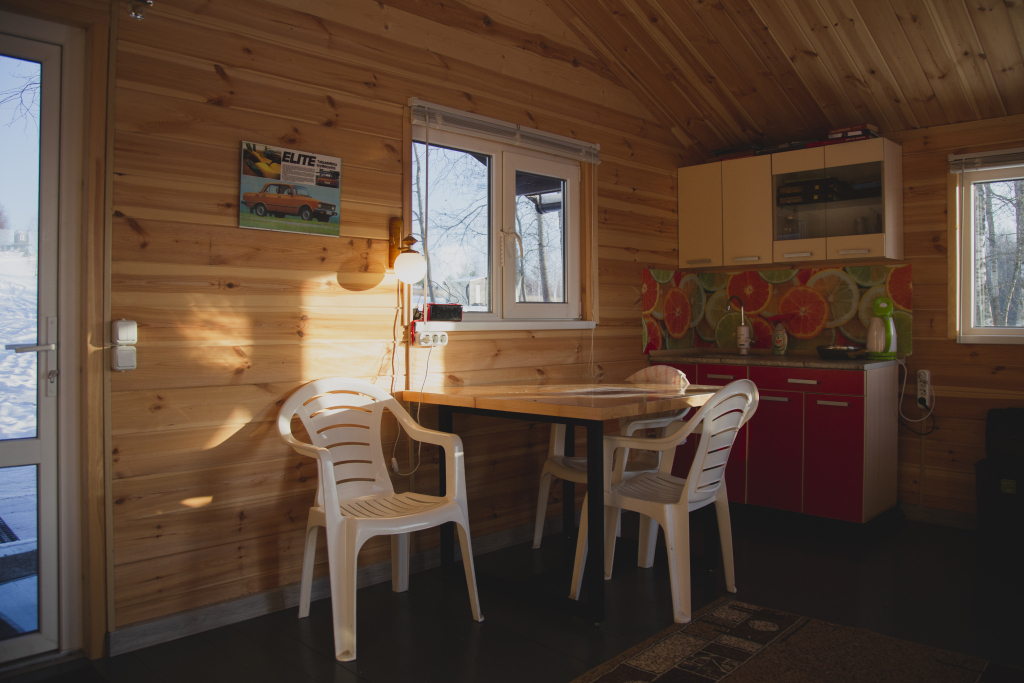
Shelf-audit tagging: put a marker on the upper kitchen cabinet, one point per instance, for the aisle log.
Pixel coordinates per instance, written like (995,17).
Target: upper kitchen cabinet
(746,211)
(841,201)
(700,216)
(725,213)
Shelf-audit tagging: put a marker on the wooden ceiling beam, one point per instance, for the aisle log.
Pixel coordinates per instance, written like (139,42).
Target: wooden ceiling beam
(994,26)
(932,55)
(458,15)
(602,35)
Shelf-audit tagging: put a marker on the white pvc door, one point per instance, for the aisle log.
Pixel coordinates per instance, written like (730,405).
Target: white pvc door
(30,86)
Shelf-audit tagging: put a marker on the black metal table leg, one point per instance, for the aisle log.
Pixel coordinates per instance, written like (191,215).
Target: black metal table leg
(569,494)
(447,530)
(595,511)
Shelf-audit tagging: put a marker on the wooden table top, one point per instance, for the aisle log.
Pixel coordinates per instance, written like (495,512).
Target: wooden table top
(560,399)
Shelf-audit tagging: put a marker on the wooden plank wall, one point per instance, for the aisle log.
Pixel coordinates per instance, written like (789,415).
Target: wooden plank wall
(938,470)
(207,504)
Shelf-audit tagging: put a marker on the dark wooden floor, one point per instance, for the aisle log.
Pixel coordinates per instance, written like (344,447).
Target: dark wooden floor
(911,580)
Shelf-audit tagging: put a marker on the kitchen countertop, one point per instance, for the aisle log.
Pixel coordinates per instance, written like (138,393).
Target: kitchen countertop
(768,360)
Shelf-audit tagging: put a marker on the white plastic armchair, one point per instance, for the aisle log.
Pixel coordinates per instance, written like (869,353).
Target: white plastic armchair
(558,466)
(355,499)
(668,500)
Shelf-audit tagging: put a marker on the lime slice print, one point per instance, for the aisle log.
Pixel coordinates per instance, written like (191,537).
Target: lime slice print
(841,293)
(904,324)
(867,276)
(692,289)
(662,276)
(713,282)
(725,332)
(716,307)
(777,277)
(705,330)
(865,310)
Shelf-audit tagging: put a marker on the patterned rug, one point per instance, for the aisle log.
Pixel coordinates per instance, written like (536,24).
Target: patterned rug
(742,643)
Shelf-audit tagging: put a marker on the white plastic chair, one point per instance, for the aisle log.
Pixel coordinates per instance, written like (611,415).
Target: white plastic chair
(558,466)
(342,417)
(669,500)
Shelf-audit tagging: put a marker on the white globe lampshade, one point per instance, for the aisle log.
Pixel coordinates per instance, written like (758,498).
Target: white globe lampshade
(410,267)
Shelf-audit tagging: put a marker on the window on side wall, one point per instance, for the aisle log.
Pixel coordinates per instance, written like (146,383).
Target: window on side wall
(498,226)
(991,296)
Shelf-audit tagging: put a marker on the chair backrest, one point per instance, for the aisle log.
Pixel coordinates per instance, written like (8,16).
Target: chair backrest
(344,416)
(722,416)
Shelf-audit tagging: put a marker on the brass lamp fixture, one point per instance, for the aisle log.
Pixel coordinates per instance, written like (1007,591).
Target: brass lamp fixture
(408,264)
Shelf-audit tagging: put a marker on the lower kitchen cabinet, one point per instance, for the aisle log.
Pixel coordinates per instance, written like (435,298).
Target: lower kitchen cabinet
(822,442)
(775,461)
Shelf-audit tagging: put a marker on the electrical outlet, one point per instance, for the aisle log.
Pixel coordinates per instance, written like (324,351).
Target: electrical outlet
(924,388)
(427,339)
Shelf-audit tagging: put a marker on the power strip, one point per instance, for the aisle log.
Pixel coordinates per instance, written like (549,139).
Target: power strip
(426,339)
(924,389)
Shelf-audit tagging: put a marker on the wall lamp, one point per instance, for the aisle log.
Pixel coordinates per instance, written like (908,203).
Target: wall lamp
(408,264)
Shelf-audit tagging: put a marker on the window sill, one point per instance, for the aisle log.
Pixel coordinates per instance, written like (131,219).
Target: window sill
(506,325)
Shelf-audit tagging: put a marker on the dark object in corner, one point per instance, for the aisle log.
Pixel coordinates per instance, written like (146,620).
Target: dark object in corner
(999,481)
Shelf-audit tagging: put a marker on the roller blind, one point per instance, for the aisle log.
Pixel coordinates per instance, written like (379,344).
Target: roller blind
(456,121)
(987,161)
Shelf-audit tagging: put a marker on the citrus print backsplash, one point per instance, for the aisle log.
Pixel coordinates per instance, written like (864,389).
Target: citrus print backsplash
(685,310)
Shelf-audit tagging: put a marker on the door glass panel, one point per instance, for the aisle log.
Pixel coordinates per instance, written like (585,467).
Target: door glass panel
(800,205)
(19,514)
(455,237)
(998,245)
(540,251)
(857,206)
(19,230)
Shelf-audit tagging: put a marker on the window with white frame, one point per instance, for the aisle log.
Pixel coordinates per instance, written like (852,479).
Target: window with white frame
(499,227)
(991,220)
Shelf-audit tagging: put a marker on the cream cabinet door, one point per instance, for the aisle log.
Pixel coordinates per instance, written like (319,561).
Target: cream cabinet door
(747,211)
(700,216)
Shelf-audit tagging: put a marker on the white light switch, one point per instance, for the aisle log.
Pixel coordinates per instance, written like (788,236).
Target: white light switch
(122,358)
(124,332)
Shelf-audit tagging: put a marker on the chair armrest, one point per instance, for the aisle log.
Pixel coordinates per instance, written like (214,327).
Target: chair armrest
(306,449)
(654,422)
(452,445)
(679,432)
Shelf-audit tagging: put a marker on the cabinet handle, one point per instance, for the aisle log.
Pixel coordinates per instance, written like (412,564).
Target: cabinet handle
(746,258)
(841,404)
(844,252)
(699,260)
(798,254)
(710,376)
(802,381)
(780,399)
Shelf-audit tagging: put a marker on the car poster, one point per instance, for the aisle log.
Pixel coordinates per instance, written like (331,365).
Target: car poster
(289,191)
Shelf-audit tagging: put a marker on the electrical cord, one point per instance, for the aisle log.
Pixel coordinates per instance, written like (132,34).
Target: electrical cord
(419,408)
(899,406)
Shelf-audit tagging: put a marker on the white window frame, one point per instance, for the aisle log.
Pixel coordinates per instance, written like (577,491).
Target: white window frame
(505,312)
(967,333)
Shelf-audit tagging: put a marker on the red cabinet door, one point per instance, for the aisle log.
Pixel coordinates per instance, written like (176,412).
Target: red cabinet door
(775,460)
(834,456)
(736,469)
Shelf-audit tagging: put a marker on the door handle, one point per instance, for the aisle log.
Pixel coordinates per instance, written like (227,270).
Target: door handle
(30,348)
(780,399)
(844,252)
(698,260)
(840,404)
(746,258)
(710,376)
(798,254)
(802,381)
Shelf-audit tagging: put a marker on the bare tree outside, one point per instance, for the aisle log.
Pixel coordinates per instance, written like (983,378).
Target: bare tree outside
(22,100)
(999,253)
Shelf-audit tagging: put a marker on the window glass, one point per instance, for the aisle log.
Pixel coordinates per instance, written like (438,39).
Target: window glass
(455,238)
(540,224)
(300,190)
(998,259)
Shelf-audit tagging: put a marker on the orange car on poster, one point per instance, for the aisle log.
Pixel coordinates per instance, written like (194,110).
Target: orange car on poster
(282,199)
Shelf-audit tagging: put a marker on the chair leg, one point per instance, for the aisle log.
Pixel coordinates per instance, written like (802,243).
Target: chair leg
(648,542)
(467,564)
(542,507)
(725,536)
(308,561)
(581,554)
(342,552)
(400,563)
(610,532)
(618,524)
(677,538)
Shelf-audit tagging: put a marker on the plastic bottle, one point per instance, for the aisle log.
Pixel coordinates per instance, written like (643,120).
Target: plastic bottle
(780,340)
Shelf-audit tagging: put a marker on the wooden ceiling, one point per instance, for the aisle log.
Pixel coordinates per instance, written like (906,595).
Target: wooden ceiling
(721,73)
